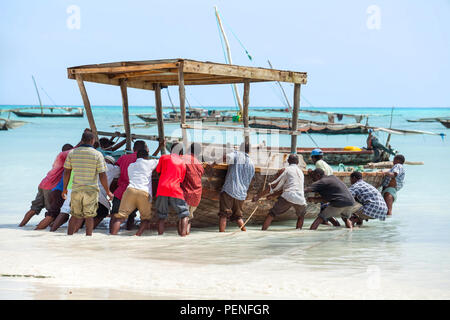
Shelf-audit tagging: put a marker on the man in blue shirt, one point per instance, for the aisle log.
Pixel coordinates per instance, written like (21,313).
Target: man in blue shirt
(234,191)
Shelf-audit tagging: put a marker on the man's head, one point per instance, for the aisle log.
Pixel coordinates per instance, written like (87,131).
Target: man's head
(105,143)
(316,155)
(88,138)
(399,159)
(196,149)
(142,154)
(317,174)
(355,177)
(292,159)
(66,147)
(110,159)
(140,145)
(244,147)
(177,148)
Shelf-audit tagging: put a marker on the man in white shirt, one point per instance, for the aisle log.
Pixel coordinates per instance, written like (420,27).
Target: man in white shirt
(317,158)
(112,172)
(138,194)
(291,182)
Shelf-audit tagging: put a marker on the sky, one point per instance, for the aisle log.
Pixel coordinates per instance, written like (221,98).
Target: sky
(357,53)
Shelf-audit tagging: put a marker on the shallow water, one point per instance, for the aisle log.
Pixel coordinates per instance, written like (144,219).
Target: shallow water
(407,256)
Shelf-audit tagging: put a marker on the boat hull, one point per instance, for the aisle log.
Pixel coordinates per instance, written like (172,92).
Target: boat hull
(24,114)
(206,214)
(445,123)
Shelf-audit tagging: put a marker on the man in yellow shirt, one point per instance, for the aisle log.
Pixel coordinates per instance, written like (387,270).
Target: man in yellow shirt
(88,166)
(317,158)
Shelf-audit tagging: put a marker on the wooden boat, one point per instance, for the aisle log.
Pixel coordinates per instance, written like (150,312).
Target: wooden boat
(174,117)
(155,74)
(428,119)
(6,124)
(333,156)
(213,180)
(311,127)
(67,111)
(445,123)
(54,112)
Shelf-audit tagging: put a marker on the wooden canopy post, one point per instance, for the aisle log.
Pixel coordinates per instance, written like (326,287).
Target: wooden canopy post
(295,118)
(182,94)
(126,116)
(245,112)
(159,117)
(87,105)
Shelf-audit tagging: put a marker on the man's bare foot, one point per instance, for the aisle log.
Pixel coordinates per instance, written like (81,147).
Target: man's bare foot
(27,217)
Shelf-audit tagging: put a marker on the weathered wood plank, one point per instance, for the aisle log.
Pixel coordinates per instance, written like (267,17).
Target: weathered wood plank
(244,72)
(159,117)
(87,105)
(295,117)
(125,113)
(182,95)
(246,101)
(118,69)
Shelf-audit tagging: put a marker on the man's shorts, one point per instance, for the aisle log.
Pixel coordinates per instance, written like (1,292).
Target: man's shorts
(56,202)
(344,212)
(84,203)
(179,205)
(230,207)
(133,199)
(102,211)
(41,201)
(191,212)
(116,206)
(392,191)
(282,205)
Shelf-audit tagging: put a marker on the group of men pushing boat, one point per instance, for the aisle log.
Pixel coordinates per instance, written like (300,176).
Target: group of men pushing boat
(78,189)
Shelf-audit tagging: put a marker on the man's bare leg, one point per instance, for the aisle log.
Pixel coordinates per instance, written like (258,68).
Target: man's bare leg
(44,223)
(97,221)
(27,217)
(59,221)
(222,224)
(300,221)
(334,222)
(183,226)
(115,225)
(130,222)
(389,199)
(144,225)
(161,225)
(74,225)
(189,227)
(348,223)
(267,222)
(89,226)
(240,223)
(316,223)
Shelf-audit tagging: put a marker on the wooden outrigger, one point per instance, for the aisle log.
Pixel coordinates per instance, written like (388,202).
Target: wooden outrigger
(157,74)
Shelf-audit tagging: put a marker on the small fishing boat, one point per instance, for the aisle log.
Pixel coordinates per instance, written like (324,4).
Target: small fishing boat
(437,119)
(7,124)
(155,74)
(445,123)
(206,213)
(55,111)
(193,114)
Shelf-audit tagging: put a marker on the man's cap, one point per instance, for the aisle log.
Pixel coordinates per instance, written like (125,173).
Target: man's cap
(317,152)
(110,158)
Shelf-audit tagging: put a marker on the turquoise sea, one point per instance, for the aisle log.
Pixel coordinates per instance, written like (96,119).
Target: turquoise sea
(407,256)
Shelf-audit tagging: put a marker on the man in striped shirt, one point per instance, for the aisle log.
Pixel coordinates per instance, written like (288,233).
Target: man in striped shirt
(88,166)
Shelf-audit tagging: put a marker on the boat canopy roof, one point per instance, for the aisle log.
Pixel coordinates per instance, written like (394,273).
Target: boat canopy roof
(145,74)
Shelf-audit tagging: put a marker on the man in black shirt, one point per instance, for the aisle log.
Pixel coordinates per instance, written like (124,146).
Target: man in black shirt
(334,191)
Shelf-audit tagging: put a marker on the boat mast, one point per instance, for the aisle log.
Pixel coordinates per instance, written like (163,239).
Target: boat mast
(238,98)
(39,97)
(282,89)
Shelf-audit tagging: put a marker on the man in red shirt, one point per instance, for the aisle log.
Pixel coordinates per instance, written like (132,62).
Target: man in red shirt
(172,172)
(122,184)
(42,199)
(192,183)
